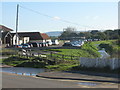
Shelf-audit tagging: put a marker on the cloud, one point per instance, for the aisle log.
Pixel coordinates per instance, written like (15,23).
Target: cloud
(92,17)
(56,18)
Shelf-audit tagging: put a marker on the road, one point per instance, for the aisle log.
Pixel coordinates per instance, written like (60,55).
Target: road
(19,81)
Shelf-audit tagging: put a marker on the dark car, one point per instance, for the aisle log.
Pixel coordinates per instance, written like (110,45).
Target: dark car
(67,44)
(33,44)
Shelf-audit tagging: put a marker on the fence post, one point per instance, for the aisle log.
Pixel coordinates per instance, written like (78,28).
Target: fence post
(63,57)
(27,55)
(51,54)
(113,61)
(71,57)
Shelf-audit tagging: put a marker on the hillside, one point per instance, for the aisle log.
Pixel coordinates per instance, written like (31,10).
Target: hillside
(54,33)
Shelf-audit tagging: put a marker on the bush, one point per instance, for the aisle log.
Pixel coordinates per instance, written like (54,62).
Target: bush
(108,47)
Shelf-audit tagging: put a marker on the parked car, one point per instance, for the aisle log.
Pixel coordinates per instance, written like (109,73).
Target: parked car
(49,43)
(17,46)
(55,42)
(25,45)
(40,44)
(67,44)
(43,44)
(46,44)
(33,44)
(76,45)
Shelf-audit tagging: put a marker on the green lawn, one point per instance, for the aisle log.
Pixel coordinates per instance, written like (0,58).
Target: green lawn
(8,51)
(87,50)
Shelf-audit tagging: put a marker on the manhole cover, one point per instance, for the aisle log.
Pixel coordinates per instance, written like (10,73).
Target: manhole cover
(88,83)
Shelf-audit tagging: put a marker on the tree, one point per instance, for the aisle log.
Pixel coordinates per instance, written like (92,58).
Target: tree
(108,34)
(94,32)
(70,29)
(82,34)
(68,32)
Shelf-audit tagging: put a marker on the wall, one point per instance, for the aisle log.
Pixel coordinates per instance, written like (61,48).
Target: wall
(26,40)
(48,40)
(100,62)
(40,40)
(36,41)
(14,39)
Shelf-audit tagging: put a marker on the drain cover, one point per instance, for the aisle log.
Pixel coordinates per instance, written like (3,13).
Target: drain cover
(88,83)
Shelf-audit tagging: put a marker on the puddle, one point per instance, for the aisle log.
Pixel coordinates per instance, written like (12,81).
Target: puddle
(88,83)
(23,71)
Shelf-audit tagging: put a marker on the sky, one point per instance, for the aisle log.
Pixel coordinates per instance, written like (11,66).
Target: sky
(54,16)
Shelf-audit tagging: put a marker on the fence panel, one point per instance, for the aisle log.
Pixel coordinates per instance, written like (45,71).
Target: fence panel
(113,63)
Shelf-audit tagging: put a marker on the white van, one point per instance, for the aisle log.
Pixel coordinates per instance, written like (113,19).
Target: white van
(55,42)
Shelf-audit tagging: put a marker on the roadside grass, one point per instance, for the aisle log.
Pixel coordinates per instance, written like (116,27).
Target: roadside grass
(8,51)
(111,47)
(1,60)
(24,62)
(61,67)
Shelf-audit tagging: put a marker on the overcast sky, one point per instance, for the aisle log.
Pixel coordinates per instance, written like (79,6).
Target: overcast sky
(54,16)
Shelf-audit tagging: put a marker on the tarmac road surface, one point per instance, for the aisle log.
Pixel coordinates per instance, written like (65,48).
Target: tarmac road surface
(21,81)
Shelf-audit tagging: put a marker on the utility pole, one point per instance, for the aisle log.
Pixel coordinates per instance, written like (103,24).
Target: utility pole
(17,23)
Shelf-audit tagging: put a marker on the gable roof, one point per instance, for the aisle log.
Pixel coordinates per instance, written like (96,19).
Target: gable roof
(45,36)
(33,35)
(4,34)
(5,29)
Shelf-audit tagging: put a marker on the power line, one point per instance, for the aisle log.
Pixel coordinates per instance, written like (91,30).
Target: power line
(62,20)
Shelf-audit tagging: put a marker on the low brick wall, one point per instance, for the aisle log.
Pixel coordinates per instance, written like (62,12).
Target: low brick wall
(100,62)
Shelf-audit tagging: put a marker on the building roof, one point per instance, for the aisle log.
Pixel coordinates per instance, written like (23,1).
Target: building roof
(44,36)
(5,34)
(33,35)
(4,28)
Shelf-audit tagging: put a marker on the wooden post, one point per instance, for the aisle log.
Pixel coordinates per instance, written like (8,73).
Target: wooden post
(27,55)
(63,57)
(51,54)
(71,57)
(55,60)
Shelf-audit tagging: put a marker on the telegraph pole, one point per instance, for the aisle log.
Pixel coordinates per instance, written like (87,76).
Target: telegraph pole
(17,23)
